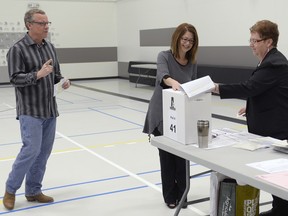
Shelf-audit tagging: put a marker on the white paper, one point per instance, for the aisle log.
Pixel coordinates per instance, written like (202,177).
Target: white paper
(281,146)
(58,87)
(239,139)
(258,142)
(271,166)
(250,145)
(281,143)
(222,137)
(198,86)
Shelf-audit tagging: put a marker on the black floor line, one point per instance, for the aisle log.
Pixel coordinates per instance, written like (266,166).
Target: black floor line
(221,117)
(112,93)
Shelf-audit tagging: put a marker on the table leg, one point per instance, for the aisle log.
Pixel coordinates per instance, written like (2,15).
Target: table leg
(184,196)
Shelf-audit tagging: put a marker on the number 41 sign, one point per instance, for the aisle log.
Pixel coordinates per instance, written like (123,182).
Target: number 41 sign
(172,120)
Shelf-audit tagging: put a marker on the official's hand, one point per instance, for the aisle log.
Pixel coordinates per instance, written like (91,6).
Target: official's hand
(46,69)
(242,111)
(216,88)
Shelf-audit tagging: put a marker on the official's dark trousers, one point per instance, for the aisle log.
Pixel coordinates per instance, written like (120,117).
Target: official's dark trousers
(279,205)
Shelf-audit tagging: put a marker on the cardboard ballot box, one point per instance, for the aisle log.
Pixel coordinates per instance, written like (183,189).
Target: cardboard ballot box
(181,113)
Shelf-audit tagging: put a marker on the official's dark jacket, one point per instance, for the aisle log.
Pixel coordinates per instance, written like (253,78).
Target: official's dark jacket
(267,96)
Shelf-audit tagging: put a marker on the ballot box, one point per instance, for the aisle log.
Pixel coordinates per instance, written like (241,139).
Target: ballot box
(181,114)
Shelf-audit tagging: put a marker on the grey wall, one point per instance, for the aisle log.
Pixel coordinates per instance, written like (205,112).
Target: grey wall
(88,54)
(228,55)
(76,55)
(156,37)
(208,55)
(214,55)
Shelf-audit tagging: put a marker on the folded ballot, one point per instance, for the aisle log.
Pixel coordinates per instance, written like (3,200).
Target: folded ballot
(198,86)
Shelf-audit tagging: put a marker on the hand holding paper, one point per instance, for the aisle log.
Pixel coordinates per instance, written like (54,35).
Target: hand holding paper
(66,84)
(61,86)
(198,86)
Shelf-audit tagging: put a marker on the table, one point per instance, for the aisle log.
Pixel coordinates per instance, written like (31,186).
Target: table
(146,67)
(227,160)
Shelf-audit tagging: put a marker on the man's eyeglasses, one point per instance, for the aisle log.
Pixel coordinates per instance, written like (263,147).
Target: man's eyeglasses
(254,41)
(42,23)
(186,40)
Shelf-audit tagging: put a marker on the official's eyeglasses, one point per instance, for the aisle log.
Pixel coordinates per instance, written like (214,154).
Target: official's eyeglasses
(42,23)
(254,41)
(186,40)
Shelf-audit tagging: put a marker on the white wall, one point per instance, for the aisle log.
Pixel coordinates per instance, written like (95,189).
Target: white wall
(107,24)
(75,24)
(219,22)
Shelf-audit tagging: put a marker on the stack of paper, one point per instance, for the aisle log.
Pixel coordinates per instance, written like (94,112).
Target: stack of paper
(281,146)
(198,86)
(277,171)
(271,166)
(256,142)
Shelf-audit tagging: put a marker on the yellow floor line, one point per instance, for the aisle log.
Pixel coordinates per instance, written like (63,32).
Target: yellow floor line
(70,150)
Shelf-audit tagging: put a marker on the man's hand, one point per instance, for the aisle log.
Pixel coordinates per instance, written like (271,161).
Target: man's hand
(46,69)
(66,84)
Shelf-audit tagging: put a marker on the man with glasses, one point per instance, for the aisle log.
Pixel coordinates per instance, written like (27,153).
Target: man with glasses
(33,70)
(266,92)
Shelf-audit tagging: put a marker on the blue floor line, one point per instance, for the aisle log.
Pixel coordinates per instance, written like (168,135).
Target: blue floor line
(72,199)
(89,196)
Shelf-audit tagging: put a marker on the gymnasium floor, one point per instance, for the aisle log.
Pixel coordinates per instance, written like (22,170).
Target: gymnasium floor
(102,164)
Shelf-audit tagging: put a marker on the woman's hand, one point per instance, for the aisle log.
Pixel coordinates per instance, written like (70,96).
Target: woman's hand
(173,83)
